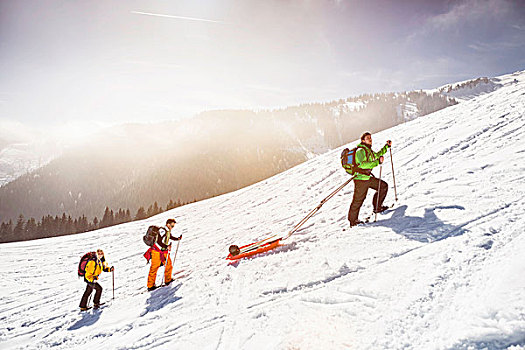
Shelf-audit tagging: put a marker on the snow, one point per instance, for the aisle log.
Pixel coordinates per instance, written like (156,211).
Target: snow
(27,148)
(444,269)
(468,89)
(407,111)
(18,159)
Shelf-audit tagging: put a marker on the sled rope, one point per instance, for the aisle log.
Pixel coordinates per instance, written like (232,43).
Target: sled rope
(316,209)
(256,245)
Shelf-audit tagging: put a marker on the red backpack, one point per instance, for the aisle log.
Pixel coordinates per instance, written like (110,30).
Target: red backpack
(91,256)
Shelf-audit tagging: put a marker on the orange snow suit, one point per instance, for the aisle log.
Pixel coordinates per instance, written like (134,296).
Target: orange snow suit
(159,255)
(157,259)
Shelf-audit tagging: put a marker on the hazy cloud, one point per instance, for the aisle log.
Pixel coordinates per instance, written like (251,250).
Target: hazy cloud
(470,11)
(147,61)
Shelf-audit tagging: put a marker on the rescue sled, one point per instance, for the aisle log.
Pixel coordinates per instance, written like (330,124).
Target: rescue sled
(251,249)
(274,241)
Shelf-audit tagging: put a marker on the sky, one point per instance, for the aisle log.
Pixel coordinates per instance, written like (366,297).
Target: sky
(66,62)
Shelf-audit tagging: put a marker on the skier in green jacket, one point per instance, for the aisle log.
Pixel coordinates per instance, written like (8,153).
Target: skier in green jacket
(366,160)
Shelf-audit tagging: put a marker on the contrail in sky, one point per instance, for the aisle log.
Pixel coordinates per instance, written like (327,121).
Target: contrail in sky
(178,17)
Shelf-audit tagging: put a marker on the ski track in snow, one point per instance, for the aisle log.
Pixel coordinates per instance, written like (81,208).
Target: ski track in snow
(444,269)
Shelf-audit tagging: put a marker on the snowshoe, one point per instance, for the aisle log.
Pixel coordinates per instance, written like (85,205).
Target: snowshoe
(98,306)
(355,223)
(381,209)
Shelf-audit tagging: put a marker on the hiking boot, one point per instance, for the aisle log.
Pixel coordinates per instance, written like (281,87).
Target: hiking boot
(84,308)
(96,306)
(152,288)
(355,223)
(381,209)
(168,282)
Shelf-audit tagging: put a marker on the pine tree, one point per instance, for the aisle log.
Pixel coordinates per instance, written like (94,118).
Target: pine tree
(75,226)
(107,219)
(141,214)
(70,228)
(156,210)
(18,231)
(63,224)
(31,229)
(83,224)
(6,232)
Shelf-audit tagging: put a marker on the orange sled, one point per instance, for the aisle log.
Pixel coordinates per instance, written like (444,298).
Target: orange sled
(254,248)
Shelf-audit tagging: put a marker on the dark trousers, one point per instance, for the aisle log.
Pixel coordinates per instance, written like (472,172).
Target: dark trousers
(89,288)
(360,190)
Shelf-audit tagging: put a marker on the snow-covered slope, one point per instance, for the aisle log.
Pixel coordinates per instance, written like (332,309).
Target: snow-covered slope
(444,269)
(468,89)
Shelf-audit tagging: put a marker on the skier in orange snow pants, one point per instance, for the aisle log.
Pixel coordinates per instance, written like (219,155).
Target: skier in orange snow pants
(158,259)
(159,254)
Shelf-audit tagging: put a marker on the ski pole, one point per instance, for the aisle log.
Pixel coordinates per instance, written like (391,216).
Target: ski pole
(176,250)
(113,279)
(378,190)
(166,263)
(393,175)
(316,209)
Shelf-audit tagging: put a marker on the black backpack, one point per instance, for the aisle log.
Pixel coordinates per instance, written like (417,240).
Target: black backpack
(151,236)
(91,256)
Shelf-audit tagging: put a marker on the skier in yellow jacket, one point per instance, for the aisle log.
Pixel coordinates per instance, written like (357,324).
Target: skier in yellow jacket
(93,269)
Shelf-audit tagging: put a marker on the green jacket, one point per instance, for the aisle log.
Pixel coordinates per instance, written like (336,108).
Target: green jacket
(365,158)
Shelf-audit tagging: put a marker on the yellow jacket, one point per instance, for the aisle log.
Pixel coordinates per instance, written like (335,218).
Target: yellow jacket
(94,268)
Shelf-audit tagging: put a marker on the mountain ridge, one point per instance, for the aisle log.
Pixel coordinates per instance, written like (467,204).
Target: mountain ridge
(214,153)
(442,270)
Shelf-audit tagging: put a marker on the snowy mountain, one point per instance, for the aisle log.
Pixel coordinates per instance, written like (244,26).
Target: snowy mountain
(17,155)
(466,90)
(134,165)
(16,160)
(444,269)
(24,149)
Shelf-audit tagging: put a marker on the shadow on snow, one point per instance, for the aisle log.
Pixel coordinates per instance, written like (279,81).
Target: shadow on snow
(428,228)
(161,297)
(89,318)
